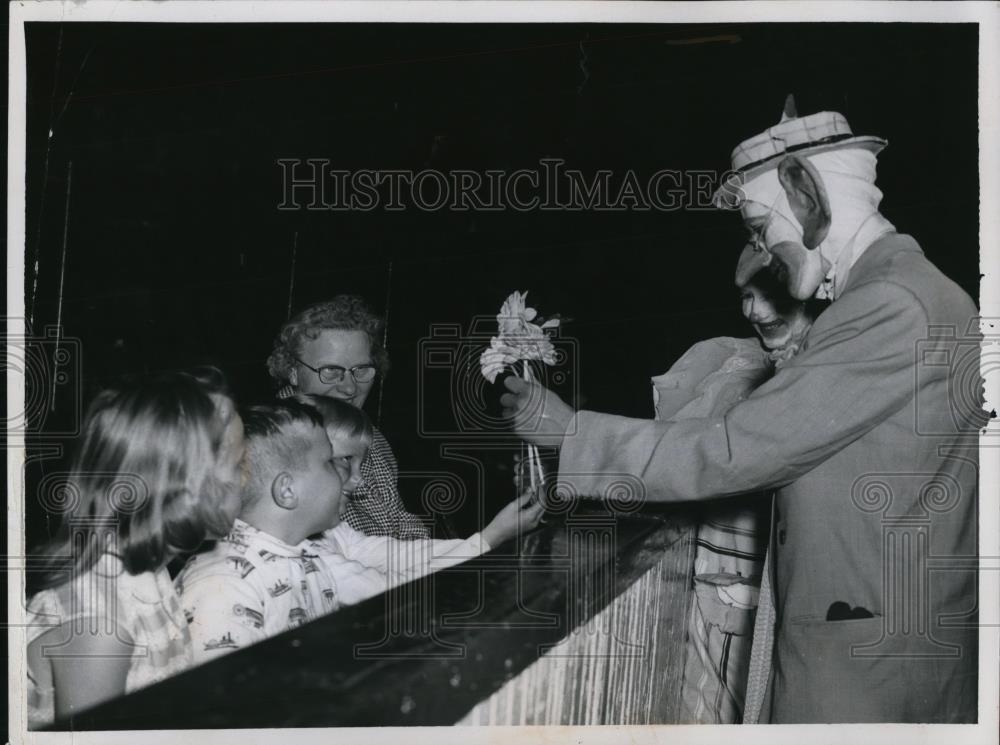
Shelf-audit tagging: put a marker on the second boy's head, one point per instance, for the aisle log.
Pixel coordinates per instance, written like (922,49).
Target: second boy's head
(350,433)
(294,487)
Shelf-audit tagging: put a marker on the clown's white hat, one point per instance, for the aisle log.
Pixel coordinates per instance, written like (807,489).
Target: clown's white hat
(808,135)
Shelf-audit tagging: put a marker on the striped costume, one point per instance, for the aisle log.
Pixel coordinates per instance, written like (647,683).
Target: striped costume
(705,382)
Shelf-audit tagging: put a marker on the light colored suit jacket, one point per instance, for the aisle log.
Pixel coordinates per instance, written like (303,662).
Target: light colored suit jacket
(870,436)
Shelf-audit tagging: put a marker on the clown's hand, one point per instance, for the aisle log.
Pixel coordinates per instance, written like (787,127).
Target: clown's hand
(536,414)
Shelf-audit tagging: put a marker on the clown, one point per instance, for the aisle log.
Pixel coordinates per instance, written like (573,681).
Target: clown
(853,626)
(707,380)
(788,184)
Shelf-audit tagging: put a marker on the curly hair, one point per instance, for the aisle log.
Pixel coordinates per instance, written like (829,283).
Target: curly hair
(342,313)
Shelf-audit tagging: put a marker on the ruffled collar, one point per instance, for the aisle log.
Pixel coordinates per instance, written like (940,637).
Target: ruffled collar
(781,356)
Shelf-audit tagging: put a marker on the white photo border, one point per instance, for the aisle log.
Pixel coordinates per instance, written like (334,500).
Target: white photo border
(985,14)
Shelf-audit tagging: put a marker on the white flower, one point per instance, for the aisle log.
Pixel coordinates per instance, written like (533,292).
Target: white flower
(495,358)
(515,318)
(519,338)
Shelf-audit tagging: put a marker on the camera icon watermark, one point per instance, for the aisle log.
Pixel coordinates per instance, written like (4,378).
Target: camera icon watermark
(454,400)
(61,493)
(85,580)
(51,365)
(950,372)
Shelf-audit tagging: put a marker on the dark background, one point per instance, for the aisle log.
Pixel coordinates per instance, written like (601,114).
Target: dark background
(176,253)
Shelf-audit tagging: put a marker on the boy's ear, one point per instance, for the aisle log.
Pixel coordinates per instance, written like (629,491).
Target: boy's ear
(293,378)
(807,197)
(283,491)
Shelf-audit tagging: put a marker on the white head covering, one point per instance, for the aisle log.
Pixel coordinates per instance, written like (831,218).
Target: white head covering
(849,179)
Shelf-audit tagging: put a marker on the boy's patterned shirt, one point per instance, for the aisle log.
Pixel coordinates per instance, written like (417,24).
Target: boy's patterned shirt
(250,586)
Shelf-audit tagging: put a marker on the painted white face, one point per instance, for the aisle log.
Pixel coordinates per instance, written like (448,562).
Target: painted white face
(777,322)
(801,271)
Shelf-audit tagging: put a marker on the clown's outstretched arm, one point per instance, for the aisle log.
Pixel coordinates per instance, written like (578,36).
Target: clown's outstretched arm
(857,371)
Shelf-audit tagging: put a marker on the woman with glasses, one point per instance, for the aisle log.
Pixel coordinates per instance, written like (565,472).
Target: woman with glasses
(335,349)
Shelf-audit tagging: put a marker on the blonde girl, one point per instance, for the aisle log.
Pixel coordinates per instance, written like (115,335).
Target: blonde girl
(156,473)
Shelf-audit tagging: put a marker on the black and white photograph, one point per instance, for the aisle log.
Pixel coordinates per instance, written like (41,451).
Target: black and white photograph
(552,371)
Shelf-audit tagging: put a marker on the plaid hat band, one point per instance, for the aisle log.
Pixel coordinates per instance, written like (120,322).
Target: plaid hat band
(808,135)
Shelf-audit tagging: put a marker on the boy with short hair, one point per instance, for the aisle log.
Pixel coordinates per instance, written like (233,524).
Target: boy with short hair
(266,576)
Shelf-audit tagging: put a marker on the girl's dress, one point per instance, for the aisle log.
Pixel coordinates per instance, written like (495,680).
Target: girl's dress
(144,609)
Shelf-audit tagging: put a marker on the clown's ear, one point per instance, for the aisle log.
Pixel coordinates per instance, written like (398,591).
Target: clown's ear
(807,197)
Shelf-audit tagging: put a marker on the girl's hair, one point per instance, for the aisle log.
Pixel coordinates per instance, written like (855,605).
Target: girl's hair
(145,470)
(339,416)
(343,313)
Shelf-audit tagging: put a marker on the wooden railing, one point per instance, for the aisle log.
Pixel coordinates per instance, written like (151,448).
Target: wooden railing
(580,622)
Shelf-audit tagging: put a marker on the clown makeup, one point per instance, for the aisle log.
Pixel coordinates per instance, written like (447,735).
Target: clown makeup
(772,229)
(778,319)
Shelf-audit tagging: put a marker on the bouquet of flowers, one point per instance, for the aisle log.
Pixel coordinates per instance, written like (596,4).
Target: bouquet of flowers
(523,336)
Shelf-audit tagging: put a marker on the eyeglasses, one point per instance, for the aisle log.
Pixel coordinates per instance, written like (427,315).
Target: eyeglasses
(758,241)
(330,374)
(758,236)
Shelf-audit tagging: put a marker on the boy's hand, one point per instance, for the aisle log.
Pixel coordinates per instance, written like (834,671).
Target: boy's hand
(520,516)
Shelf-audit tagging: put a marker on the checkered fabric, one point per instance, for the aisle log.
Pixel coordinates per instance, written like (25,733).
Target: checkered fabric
(808,135)
(790,135)
(376,508)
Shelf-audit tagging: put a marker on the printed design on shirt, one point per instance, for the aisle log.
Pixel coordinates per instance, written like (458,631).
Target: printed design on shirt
(269,555)
(297,617)
(189,615)
(223,642)
(238,539)
(249,616)
(279,588)
(307,563)
(240,564)
(330,597)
